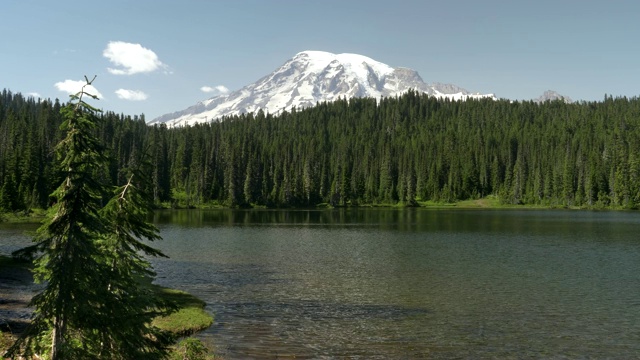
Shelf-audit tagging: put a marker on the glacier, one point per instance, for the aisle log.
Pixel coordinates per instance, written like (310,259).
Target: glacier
(311,77)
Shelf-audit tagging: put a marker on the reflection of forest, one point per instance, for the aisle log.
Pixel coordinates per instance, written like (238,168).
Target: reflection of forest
(382,218)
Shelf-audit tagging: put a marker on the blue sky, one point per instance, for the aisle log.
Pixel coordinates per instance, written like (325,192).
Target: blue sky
(157,56)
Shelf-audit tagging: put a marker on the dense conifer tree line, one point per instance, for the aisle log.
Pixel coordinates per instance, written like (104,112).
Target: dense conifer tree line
(351,152)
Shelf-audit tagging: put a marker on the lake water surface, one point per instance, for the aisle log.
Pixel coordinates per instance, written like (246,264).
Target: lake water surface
(411,283)
(406,284)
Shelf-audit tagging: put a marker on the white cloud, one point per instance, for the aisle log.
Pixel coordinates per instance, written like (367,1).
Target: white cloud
(34,95)
(73,87)
(220,89)
(131,58)
(133,95)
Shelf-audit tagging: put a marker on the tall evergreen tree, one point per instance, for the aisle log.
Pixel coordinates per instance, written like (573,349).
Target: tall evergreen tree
(91,306)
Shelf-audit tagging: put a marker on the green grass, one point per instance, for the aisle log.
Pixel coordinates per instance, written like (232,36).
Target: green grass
(192,349)
(33,216)
(187,320)
(487,202)
(190,316)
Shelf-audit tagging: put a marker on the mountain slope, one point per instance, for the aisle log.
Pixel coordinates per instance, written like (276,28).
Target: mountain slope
(311,77)
(551,95)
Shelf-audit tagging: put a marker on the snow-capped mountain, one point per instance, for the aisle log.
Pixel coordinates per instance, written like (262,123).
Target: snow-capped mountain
(551,95)
(311,77)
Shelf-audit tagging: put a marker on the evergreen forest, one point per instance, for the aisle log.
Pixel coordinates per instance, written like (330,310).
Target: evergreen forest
(403,150)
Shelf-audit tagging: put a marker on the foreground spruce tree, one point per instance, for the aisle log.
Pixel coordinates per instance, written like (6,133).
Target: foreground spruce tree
(95,303)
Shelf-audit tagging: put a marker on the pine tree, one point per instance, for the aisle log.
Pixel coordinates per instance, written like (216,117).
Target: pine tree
(129,306)
(9,196)
(91,306)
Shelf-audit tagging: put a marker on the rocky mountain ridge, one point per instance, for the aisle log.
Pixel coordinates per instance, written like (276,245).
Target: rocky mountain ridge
(311,77)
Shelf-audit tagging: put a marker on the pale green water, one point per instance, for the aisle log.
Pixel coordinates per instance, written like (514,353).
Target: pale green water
(406,284)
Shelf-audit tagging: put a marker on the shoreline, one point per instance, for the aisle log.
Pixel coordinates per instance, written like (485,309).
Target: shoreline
(486,203)
(17,288)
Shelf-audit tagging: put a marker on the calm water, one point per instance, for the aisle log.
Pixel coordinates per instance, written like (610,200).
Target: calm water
(407,284)
(410,283)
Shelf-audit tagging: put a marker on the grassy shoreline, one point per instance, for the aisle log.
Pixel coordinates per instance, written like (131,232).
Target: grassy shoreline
(190,317)
(490,202)
(486,202)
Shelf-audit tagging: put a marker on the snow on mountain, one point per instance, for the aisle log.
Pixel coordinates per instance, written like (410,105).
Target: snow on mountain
(551,95)
(311,77)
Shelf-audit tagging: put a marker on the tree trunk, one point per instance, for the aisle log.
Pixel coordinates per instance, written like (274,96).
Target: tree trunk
(58,337)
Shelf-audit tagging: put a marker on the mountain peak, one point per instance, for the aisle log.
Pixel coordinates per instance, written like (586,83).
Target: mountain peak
(324,58)
(310,77)
(551,95)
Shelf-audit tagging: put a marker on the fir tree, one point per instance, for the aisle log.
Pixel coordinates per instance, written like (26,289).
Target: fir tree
(92,305)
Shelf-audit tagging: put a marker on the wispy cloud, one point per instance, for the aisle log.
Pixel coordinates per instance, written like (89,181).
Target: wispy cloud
(34,95)
(219,90)
(74,86)
(58,52)
(133,95)
(131,58)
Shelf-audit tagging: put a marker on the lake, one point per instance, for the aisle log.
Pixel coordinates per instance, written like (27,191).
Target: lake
(410,283)
(406,283)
